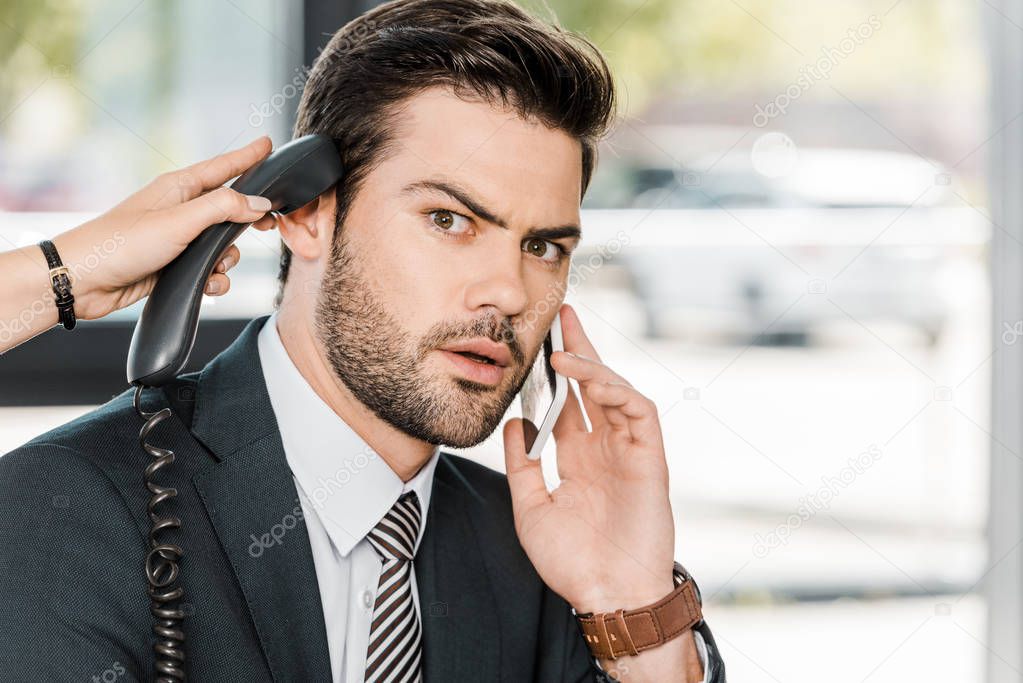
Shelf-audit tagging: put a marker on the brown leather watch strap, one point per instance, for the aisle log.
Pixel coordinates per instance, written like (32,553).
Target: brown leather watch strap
(630,631)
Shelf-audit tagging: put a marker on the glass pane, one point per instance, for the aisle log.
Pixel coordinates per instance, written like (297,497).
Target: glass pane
(787,242)
(98,98)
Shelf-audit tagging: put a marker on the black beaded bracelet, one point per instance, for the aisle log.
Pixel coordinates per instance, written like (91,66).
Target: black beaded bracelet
(61,281)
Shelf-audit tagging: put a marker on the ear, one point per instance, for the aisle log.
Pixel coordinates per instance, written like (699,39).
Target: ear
(308,229)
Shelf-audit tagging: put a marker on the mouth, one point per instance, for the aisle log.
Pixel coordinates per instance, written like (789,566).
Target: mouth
(473,366)
(481,350)
(476,357)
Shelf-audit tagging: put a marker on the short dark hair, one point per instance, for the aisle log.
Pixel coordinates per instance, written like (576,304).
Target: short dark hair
(483,49)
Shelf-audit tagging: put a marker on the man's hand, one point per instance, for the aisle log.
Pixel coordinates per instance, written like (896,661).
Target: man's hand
(605,537)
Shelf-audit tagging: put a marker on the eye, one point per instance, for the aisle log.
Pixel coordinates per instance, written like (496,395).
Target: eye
(447,221)
(545,250)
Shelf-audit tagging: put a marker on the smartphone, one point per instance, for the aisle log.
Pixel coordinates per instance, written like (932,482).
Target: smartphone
(543,394)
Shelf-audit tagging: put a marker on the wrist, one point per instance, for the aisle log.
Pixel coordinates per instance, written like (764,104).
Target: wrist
(629,629)
(77,260)
(608,599)
(60,283)
(42,313)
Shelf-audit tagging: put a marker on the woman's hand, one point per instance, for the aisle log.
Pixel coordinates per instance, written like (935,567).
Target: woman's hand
(115,258)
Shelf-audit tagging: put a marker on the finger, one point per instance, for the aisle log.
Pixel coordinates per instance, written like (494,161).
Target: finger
(187,221)
(585,371)
(525,476)
(228,260)
(575,338)
(211,173)
(571,418)
(569,422)
(185,184)
(628,409)
(217,284)
(267,222)
(609,412)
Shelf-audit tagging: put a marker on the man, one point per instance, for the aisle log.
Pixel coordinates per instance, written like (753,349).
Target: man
(326,536)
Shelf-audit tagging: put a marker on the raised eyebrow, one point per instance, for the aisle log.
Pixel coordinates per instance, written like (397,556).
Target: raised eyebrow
(571,231)
(461,195)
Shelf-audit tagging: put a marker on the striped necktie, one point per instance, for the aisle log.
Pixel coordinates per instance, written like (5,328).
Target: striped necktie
(394,636)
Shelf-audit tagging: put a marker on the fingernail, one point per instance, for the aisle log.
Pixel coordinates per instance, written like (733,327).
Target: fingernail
(257,203)
(213,287)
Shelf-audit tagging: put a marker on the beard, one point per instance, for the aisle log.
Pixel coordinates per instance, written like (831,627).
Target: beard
(385,367)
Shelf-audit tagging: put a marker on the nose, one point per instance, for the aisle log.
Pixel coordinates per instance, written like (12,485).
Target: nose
(498,282)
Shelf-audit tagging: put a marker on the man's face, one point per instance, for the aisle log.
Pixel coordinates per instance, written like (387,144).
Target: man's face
(423,262)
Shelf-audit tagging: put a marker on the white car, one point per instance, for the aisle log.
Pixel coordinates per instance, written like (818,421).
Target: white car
(848,235)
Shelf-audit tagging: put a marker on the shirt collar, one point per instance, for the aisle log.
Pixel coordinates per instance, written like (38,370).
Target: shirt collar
(346,483)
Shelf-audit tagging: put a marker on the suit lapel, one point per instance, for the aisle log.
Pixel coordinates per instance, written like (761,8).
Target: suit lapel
(461,629)
(251,499)
(252,503)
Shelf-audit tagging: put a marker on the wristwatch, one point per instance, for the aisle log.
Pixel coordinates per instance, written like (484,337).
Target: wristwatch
(610,635)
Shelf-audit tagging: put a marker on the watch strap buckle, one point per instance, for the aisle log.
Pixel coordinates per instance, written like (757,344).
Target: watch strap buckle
(610,635)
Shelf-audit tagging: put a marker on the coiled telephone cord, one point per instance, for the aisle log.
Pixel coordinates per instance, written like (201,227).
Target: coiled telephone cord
(162,558)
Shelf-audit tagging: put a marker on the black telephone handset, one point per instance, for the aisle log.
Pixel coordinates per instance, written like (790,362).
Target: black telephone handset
(291,177)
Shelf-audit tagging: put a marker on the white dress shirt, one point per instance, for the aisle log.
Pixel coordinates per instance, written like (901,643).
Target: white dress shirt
(344,488)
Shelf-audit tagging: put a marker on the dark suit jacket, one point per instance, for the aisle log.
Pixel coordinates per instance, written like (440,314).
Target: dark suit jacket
(74,529)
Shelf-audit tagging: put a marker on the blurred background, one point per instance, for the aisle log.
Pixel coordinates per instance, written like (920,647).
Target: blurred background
(802,242)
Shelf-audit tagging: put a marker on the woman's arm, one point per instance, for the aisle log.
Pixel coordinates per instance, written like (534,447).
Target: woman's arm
(115,259)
